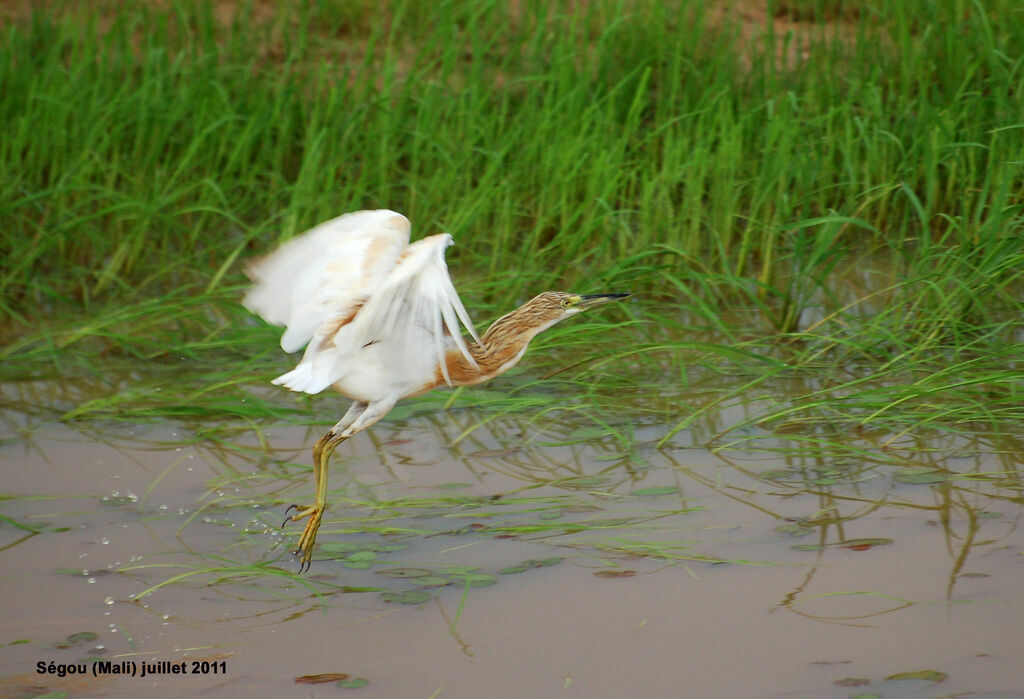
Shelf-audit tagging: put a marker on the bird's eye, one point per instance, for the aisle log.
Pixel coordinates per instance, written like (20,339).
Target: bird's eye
(565,302)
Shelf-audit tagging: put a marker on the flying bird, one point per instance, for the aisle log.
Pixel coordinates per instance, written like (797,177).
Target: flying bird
(380,321)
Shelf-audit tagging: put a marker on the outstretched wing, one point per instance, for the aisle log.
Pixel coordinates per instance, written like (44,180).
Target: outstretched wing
(397,339)
(416,310)
(316,282)
(377,315)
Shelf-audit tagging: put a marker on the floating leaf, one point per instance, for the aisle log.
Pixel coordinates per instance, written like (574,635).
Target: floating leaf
(615,573)
(477,579)
(552,561)
(82,637)
(928,675)
(354,683)
(656,490)
(323,678)
(404,572)
(851,682)
(873,541)
(808,547)
(405,596)
(919,476)
(531,563)
(358,565)
(433,581)
(342,547)
(391,547)
(362,556)
(864,544)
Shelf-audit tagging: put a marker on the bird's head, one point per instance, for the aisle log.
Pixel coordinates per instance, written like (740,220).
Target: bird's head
(566,304)
(539,314)
(546,309)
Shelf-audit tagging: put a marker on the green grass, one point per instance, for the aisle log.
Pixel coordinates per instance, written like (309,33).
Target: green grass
(827,217)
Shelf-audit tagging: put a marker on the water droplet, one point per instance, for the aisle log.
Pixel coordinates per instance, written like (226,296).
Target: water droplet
(108,601)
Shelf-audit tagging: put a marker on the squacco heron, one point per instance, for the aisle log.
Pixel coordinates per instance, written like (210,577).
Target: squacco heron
(380,322)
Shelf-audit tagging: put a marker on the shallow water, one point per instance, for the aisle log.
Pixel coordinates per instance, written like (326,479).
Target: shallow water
(679,573)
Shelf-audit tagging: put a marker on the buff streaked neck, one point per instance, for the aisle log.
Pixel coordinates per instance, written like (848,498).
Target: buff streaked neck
(505,342)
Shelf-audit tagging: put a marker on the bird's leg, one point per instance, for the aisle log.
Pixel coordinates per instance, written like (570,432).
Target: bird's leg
(358,418)
(322,451)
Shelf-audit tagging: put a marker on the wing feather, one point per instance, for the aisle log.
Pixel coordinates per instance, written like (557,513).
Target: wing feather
(316,282)
(377,314)
(417,302)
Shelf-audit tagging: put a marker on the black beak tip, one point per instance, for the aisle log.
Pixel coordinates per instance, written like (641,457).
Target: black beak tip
(610,297)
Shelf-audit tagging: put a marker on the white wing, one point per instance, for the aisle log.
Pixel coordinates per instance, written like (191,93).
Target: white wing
(416,309)
(317,281)
(378,328)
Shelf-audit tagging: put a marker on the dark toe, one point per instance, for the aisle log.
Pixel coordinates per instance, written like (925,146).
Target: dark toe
(287,518)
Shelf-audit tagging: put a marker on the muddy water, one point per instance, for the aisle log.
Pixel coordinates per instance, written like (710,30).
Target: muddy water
(682,572)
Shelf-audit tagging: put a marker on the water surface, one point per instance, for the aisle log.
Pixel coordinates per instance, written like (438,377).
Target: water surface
(682,572)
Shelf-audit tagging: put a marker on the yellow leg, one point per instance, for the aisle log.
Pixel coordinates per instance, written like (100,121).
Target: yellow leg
(322,451)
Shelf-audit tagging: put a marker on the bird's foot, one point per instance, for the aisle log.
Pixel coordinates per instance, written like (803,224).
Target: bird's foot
(308,538)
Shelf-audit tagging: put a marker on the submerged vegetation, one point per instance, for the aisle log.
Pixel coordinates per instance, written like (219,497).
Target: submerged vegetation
(819,206)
